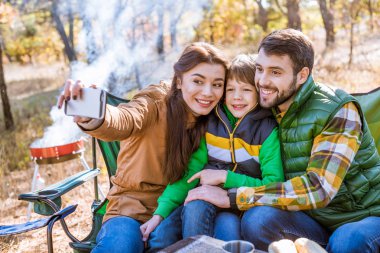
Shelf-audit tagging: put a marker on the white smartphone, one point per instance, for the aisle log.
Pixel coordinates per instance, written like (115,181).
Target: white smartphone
(92,104)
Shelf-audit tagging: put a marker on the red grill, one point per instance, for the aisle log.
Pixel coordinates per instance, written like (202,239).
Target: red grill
(56,154)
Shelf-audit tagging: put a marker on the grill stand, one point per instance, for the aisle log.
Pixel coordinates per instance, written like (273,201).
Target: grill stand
(97,188)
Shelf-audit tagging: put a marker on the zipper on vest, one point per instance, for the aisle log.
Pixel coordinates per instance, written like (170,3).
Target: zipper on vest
(230,138)
(282,149)
(231,135)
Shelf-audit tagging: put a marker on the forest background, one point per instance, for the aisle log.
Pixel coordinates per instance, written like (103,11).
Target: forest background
(123,45)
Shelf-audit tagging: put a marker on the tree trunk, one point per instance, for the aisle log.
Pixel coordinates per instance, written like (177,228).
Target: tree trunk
(160,35)
(92,50)
(370,10)
(71,25)
(328,22)
(354,14)
(174,19)
(294,19)
(351,44)
(262,18)
(61,30)
(8,118)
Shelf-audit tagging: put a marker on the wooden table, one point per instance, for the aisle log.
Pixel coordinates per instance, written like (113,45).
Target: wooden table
(198,244)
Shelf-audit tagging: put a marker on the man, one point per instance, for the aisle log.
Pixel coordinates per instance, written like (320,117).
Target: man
(332,167)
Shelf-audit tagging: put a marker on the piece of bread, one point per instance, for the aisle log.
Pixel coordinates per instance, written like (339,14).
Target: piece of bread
(282,246)
(305,245)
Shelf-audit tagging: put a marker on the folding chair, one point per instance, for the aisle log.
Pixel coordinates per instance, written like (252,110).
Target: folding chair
(370,103)
(48,201)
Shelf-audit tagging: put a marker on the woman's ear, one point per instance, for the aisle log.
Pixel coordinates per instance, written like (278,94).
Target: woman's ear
(179,83)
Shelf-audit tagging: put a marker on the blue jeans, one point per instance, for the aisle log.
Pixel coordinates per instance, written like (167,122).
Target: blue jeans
(167,233)
(227,226)
(262,225)
(203,218)
(361,236)
(119,235)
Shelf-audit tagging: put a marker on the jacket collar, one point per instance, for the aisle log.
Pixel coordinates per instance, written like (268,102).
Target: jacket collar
(303,94)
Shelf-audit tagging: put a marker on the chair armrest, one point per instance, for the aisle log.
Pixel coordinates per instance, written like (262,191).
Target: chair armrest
(48,200)
(32,225)
(58,189)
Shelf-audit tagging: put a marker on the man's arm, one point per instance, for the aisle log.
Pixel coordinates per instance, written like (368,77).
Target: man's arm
(331,156)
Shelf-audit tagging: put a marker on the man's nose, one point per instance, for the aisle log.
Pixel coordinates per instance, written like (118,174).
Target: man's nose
(264,79)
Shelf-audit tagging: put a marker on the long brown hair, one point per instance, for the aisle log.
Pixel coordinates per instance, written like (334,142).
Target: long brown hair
(181,140)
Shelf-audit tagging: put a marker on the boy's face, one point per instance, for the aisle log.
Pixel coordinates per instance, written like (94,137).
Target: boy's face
(240,97)
(275,80)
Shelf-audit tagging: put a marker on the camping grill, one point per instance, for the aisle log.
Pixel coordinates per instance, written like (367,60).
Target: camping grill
(57,154)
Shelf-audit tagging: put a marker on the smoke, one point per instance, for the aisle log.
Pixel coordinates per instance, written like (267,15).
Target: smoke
(63,131)
(123,45)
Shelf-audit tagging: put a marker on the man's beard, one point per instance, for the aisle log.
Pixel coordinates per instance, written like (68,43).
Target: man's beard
(281,97)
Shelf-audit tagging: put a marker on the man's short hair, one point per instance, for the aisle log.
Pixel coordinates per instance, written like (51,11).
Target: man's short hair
(293,43)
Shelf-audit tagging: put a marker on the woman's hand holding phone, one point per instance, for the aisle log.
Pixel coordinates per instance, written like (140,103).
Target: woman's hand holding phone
(81,107)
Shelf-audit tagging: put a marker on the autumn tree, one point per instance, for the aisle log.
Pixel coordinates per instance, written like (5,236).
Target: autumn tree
(328,20)
(262,17)
(69,49)
(9,123)
(354,8)
(292,13)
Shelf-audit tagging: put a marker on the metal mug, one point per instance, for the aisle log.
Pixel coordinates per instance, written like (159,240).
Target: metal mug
(239,246)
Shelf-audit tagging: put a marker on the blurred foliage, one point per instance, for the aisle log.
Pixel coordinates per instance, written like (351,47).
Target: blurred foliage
(29,37)
(31,117)
(29,33)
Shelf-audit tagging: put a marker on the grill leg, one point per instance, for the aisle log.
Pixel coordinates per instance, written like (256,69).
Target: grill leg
(34,182)
(97,188)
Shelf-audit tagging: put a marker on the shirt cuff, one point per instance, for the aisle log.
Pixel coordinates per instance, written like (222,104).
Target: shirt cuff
(90,125)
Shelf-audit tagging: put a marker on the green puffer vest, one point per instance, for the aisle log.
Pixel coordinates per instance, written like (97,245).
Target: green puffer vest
(359,195)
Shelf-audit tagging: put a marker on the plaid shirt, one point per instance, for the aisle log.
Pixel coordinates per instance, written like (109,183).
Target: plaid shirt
(332,153)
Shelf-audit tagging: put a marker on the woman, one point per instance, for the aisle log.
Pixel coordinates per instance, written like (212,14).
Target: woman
(159,129)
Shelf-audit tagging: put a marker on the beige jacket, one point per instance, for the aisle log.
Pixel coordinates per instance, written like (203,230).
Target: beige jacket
(140,126)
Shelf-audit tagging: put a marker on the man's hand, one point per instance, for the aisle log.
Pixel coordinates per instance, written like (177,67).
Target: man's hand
(212,194)
(149,226)
(210,177)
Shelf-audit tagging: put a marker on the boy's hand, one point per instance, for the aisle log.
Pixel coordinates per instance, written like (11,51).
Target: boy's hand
(149,226)
(210,177)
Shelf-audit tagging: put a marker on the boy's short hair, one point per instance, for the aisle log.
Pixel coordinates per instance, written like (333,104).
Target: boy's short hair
(242,68)
(293,43)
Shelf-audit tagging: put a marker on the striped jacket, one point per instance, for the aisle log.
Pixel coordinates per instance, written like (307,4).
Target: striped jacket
(237,148)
